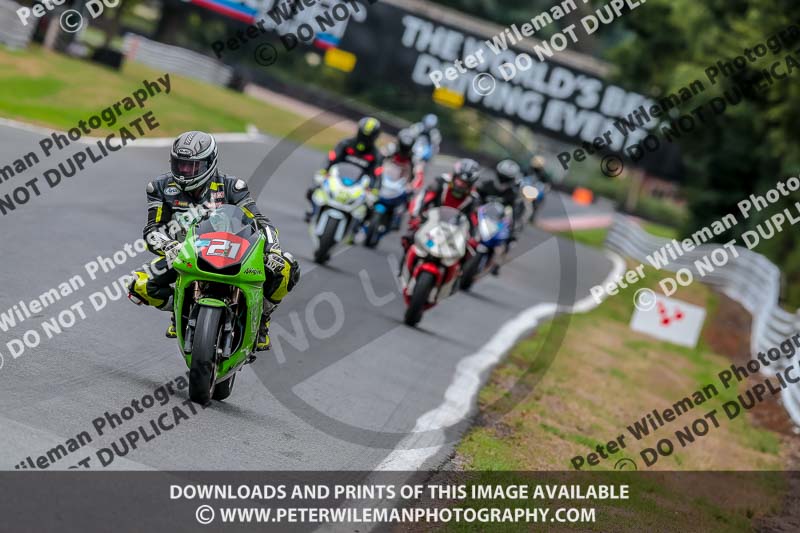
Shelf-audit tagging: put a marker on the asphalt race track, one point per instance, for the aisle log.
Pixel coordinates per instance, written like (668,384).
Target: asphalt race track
(346,382)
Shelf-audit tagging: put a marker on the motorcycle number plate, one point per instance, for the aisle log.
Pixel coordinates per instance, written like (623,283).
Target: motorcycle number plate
(222,249)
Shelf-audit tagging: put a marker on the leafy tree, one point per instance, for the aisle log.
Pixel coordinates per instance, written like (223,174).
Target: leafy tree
(750,146)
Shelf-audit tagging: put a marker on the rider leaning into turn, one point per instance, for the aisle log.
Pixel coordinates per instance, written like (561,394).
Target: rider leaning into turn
(360,150)
(194,180)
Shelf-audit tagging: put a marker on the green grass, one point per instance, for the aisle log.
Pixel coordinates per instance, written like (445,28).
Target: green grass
(57,91)
(659,230)
(578,403)
(596,237)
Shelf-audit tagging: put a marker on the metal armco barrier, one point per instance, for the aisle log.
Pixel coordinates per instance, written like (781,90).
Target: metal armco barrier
(175,60)
(751,279)
(12,33)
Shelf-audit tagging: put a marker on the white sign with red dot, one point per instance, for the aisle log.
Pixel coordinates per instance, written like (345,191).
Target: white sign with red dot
(670,320)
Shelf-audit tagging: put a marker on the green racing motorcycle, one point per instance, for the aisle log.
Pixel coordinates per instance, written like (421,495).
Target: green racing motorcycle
(218,299)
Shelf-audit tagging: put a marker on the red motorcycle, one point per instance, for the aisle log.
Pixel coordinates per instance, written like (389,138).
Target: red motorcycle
(431,266)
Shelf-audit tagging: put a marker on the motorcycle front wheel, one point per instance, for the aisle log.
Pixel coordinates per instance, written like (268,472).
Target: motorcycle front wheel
(326,241)
(419,299)
(203,371)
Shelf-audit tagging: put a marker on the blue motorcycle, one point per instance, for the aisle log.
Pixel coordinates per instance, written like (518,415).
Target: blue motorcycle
(492,233)
(388,208)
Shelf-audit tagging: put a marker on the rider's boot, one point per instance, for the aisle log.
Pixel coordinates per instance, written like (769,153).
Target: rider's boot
(140,293)
(263,343)
(310,212)
(171,331)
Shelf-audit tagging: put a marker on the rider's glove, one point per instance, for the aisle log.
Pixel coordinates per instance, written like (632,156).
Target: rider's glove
(161,242)
(320,176)
(171,251)
(294,270)
(273,260)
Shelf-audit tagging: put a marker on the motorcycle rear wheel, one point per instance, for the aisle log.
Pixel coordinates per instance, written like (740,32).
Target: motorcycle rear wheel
(372,237)
(470,272)
(202,373)
(419,299)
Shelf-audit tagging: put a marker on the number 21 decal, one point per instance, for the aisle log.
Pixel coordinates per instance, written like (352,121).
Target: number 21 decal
(223,249)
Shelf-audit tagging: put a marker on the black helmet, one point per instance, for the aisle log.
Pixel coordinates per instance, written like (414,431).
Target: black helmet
(369,129)
(405,142)
(193,159)
(465,175)
(508,172)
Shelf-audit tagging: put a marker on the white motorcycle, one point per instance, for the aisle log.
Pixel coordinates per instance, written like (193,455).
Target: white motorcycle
(340,207)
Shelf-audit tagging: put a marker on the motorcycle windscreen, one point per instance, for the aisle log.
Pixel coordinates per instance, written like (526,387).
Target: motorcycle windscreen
(224,236)
(443,234)
(490,220)
(348,173)
(393,182)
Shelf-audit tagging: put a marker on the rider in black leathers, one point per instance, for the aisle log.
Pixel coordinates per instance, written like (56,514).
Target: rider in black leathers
(504,188)
(195,181)
(360,150)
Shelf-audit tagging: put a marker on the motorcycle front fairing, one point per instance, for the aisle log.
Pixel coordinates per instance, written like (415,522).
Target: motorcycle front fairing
(221,264)
(439,246)
(342,196)
(494,225)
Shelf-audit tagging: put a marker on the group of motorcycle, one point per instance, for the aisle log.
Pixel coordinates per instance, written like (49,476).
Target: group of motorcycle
(218,294)
(445,255)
